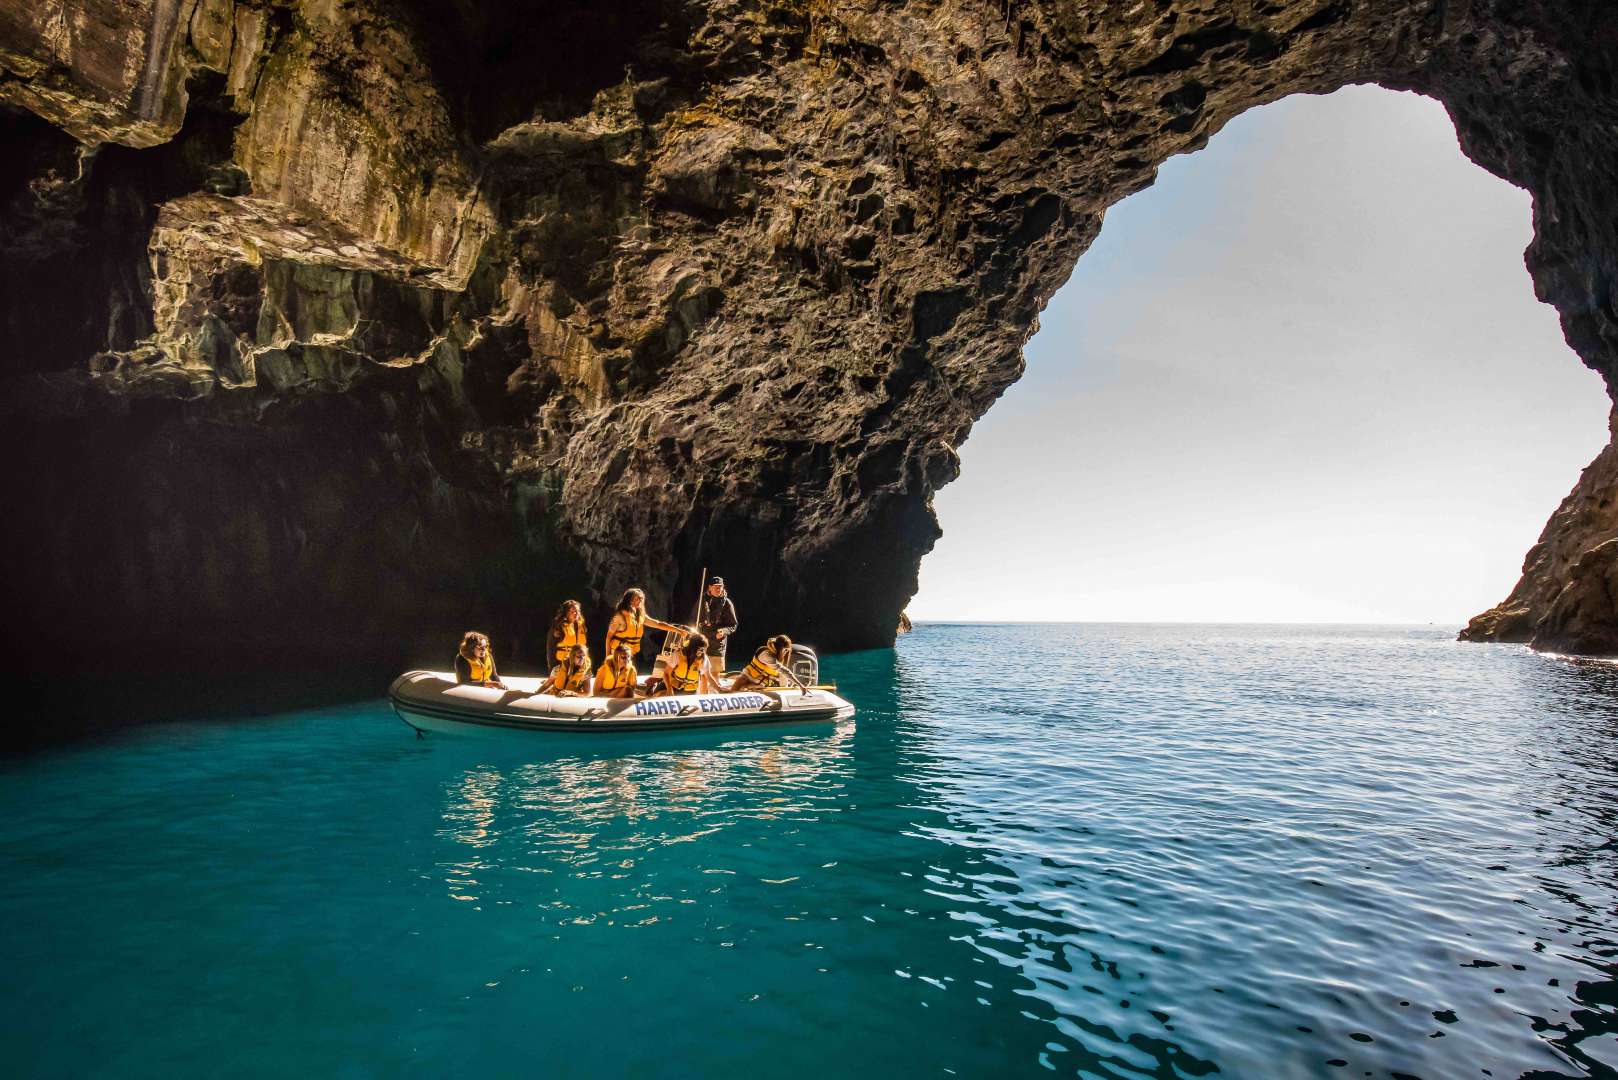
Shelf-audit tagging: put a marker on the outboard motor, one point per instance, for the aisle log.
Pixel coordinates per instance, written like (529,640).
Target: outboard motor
(805,664)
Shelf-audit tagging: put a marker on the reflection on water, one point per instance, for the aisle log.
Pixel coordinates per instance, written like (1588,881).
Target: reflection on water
(769,776)
(1251,852)
(600,817)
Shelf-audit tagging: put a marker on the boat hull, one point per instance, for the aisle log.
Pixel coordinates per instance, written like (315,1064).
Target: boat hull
(431,701)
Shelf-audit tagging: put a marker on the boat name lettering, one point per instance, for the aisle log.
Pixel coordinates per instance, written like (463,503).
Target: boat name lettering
(671,707)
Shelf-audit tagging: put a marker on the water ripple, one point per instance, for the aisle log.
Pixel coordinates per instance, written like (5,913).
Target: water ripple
(1250,852)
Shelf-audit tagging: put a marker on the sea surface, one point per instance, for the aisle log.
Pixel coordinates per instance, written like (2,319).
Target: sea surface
(1092,850)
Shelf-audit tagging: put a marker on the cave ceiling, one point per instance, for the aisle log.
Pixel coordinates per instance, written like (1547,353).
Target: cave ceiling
(355,321)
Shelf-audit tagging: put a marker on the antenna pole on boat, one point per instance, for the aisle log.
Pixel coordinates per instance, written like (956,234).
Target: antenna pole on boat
(696,623)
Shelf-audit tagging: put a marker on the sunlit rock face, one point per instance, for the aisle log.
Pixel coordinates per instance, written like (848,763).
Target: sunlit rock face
(1567,600)
(332,329)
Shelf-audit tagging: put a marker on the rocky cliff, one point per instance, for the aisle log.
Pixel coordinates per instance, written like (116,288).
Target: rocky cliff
(1567,600)
(332,327)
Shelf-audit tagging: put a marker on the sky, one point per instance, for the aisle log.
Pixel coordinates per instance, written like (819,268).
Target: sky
(1302,378)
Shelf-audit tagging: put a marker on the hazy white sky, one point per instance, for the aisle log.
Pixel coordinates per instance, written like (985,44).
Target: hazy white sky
(1302,378)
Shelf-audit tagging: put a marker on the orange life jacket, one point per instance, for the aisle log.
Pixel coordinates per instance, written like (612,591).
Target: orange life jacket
(635,629)
(685,677)
(564,680)
(572,634)
(764,668)
(607,679)
(482,670)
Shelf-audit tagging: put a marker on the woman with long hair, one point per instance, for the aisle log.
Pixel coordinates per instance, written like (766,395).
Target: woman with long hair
(629,623)
(474,661)
(617,676)
(570,678)
(689,673)
(567,630)
(771,666)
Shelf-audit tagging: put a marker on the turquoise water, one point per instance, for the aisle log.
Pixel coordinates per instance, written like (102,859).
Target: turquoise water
(1160,851)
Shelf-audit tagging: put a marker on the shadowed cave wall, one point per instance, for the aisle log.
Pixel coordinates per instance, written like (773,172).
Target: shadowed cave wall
(334,328)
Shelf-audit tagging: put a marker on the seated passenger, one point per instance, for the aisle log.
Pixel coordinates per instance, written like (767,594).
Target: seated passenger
(689,673)
(474,663)
(770,666)
(570,678)
(616,679)
(630,621)
(567,630)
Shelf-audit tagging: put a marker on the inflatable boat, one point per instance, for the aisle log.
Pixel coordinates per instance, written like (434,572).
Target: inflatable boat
(432,701)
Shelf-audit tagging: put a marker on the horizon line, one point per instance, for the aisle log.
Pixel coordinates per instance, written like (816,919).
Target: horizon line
(1164,622)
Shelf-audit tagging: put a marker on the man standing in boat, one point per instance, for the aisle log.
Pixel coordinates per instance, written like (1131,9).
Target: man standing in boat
(716,622)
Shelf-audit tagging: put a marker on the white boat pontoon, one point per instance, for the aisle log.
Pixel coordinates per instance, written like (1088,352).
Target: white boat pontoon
(432,701)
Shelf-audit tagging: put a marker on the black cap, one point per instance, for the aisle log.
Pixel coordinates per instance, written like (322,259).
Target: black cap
(716,581)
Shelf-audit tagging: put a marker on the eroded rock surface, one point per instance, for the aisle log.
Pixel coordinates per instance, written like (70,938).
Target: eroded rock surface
(1567,600)
(331,328)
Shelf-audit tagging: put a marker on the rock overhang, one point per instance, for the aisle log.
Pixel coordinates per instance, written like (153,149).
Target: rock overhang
(734,302)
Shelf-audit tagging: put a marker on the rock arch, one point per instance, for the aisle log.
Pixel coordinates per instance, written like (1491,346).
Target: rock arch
(408,335)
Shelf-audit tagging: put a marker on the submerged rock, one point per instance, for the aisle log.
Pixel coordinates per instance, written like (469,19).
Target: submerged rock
(333,330)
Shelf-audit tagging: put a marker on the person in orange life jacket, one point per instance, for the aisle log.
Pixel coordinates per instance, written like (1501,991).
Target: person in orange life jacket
(474,663)
(570,678)
(617,676)
(567,630)
(717,621)
(689,673)
(771,666)
(630,621)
